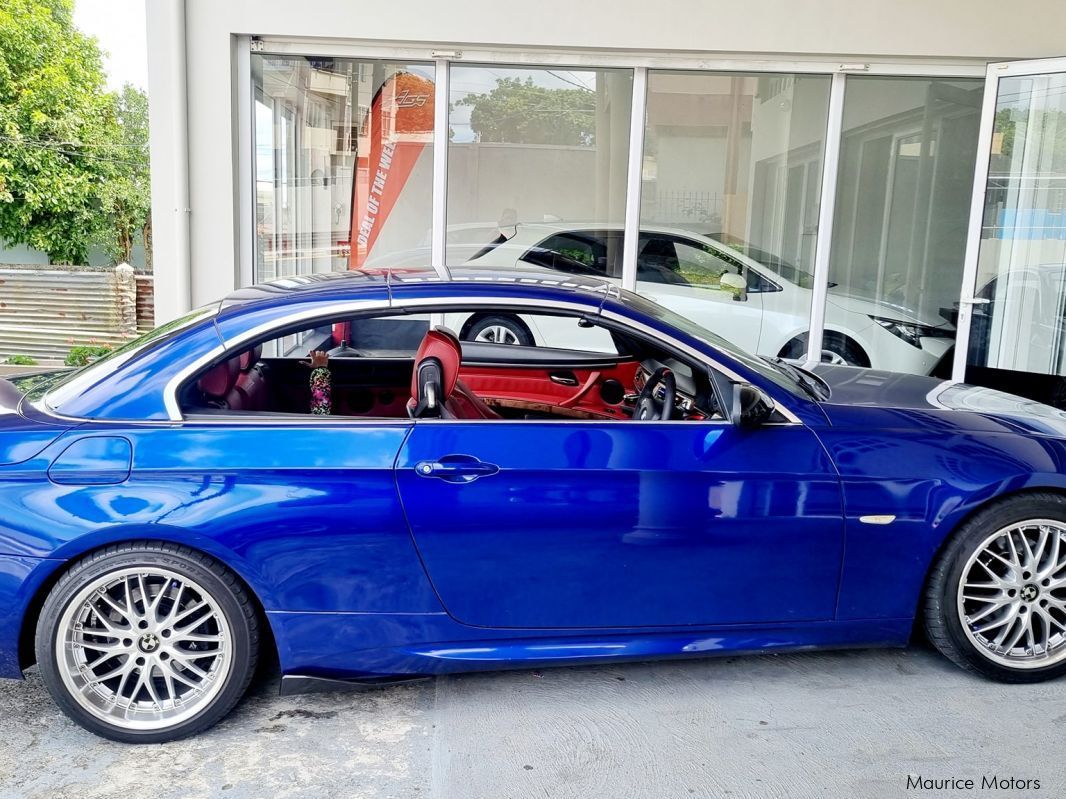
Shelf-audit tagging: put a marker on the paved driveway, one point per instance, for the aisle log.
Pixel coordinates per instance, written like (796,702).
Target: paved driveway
(848,724)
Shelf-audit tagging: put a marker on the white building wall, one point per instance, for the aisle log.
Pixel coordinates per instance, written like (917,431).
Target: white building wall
(763,30)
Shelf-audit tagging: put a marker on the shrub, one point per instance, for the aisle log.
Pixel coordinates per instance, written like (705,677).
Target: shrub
(84,354)
(20,360)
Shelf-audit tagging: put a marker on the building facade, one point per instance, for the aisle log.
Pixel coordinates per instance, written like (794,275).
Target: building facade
(892,168)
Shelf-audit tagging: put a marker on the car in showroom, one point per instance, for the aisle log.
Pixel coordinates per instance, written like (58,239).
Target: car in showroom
(753,298)
(175,511)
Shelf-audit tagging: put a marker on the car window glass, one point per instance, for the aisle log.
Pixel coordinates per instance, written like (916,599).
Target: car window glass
(701,265)
(657,261)
(587,249)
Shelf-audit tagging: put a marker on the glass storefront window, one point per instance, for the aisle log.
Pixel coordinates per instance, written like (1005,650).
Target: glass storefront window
(729,202)
(536,154)
(899,235)
(1017,333)
(343,162)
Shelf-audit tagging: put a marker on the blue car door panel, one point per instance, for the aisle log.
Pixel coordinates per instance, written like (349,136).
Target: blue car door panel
(531,524)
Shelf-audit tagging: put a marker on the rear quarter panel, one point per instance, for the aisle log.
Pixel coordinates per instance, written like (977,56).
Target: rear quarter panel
(309,519)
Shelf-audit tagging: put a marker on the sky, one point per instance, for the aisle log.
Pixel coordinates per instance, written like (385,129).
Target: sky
(119,27)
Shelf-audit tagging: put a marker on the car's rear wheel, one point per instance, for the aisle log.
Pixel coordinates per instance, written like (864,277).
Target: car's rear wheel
(996,599)
(498,329)
(145,643)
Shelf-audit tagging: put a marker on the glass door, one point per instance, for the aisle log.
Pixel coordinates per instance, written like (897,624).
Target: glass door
(1012,315)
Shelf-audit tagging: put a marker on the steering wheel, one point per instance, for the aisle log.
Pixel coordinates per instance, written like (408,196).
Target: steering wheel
(650,409)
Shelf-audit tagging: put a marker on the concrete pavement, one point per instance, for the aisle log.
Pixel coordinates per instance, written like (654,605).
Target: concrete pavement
(838,724)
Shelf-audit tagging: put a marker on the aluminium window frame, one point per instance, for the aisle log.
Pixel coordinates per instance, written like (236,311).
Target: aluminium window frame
(443,55)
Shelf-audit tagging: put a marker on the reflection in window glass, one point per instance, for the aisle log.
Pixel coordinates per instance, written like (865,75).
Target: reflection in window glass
(899,237)
(729,202)
(1016,334)
(532,151)
(342,160)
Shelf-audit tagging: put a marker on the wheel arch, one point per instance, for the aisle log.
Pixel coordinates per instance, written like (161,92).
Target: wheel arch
(848,335)
(962,521)
(72,555)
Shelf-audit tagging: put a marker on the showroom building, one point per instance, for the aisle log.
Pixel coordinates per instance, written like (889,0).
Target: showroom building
(877,184)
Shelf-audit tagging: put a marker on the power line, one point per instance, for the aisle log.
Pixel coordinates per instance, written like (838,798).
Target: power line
(73,153)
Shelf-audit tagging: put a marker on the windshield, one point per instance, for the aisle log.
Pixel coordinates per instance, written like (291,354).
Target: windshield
(75,381)
(774,372)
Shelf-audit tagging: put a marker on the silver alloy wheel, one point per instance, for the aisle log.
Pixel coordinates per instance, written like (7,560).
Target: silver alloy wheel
(835,358)
(1012,595)
(497,334)
(143,648)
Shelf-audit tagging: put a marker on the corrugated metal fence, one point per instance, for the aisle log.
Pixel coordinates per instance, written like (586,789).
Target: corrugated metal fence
(44,311)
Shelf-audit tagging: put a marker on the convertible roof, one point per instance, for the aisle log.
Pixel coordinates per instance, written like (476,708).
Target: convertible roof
(376,279)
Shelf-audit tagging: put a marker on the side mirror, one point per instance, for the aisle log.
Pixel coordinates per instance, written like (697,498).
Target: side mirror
(751,406)
(737,284)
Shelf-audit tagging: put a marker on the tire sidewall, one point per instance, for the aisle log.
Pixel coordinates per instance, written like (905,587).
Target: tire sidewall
(512,323)
(242,663)
(832,341)
(945,589)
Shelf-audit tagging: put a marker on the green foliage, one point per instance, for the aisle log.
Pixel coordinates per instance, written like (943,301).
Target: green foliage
(1047,126)
(125,196)
(73,163)
(84,354)
(521,112)
(20,360)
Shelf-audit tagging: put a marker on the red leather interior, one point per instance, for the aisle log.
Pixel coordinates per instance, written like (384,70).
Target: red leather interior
(219,379)
(342,331)
(468,405)
(457,400)
(250,358)
(445,348)
(534,385)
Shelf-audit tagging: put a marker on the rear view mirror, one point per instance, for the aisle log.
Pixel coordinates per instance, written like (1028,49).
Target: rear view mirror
(751,406)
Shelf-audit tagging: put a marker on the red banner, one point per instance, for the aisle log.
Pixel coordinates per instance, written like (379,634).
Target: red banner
(401,127)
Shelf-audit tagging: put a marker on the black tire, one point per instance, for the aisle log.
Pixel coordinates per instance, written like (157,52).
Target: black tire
(832,341)
(479,324)
(943,625)
(223,587)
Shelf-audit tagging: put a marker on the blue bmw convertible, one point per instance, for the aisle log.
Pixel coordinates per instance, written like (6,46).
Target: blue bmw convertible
(319,471)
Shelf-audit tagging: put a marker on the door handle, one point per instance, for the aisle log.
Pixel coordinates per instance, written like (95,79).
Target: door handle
(563,378)
(456,469)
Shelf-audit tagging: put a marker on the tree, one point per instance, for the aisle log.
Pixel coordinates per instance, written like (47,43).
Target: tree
(125,194)
(522,112)
(56,127)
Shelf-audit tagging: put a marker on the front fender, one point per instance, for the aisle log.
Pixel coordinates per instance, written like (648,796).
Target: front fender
(907,489)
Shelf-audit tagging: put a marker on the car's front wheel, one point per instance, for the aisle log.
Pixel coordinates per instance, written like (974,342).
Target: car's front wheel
(837,349)
(996,599)
(147,642)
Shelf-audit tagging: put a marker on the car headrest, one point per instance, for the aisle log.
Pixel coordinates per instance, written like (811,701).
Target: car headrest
(443,345)
(250,358)
(217,381)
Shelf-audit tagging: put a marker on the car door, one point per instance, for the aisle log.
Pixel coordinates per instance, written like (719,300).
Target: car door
(579,524)
(684,275)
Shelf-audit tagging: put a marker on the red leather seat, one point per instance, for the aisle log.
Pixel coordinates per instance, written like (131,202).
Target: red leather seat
(249,392)
(436,391)
(218,381)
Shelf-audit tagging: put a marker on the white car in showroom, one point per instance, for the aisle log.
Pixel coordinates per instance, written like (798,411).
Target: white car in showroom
(747,296)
